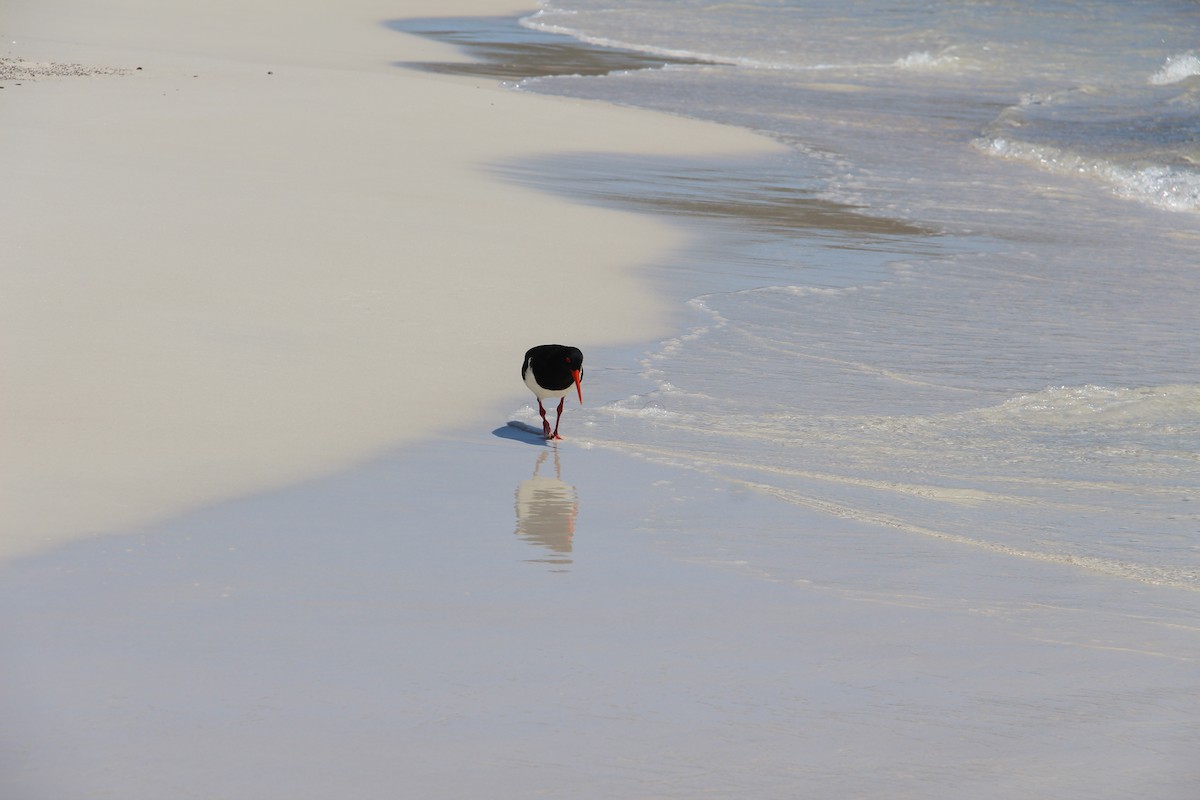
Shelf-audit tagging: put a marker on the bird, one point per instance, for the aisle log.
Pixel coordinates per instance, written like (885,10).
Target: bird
(550,370)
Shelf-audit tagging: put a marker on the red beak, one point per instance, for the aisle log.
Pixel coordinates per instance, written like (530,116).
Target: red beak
(575,374)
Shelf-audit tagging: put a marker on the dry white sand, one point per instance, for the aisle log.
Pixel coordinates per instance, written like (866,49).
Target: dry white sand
(241,248)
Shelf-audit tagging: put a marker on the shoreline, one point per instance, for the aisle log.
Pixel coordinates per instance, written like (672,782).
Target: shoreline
(238,293)
(476,612)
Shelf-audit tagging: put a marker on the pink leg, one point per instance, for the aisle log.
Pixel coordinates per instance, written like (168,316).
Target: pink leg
(557,418)
(545,422)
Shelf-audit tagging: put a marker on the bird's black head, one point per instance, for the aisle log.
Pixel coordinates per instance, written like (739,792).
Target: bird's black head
(574,358)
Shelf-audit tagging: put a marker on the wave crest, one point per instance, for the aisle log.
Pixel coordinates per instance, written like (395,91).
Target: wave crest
(1177,68)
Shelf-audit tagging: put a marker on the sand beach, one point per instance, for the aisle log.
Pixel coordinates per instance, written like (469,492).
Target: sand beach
(266,530)
(240,255)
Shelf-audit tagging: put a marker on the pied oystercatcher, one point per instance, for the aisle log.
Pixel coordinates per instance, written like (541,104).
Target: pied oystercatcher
(549,370)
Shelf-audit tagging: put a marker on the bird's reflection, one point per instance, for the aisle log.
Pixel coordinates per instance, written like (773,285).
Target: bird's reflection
(546,512)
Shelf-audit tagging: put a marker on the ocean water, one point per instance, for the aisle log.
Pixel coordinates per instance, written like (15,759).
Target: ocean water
(963,308)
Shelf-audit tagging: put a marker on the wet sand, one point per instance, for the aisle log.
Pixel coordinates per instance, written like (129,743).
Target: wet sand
(487,615)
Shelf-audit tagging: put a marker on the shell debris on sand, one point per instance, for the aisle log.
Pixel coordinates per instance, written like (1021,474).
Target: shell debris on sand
(18,69)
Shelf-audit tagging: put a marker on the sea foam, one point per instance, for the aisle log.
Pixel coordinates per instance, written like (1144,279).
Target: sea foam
(1177,68)
(925,60)
(1158,185)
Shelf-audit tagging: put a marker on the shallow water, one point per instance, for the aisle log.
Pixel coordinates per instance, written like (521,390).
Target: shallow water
(1005,357)
(1105,85)
(891,323)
